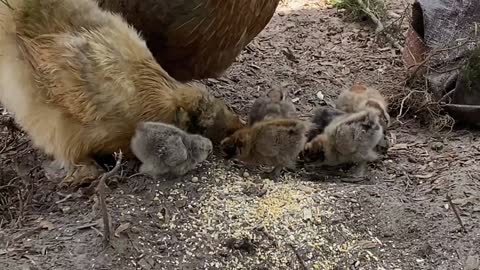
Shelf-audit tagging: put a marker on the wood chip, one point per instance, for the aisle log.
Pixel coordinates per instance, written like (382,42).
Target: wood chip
(123,227)
(424,176)
(307,214)
(45,224)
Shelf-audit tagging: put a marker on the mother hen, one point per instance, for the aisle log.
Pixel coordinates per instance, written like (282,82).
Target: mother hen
(195,39)
(80,79)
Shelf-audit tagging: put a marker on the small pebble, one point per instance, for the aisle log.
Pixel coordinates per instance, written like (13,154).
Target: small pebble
(246,174)
(437,146)
(195,179)
(66,209)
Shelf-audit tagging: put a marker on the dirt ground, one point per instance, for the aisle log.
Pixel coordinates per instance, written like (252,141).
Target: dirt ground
(224,216)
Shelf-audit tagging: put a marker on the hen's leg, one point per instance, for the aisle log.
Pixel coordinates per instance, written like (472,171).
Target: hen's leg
(81,174)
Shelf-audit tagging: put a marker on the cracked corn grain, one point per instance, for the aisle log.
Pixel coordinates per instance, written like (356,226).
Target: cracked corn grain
(279,213)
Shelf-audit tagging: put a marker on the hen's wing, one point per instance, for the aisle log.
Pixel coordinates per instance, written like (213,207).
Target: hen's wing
(174,152)
(195,39)
(82,73)
(40,17)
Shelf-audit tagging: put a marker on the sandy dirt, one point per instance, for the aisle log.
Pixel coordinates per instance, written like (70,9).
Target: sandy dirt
(224,216)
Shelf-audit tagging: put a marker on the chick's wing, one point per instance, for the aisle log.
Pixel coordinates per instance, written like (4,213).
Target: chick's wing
(266,142)
(345,142)
(174,151)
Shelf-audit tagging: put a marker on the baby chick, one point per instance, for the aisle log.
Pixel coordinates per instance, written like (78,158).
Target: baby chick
(274,142)
(359,97)
(164,148)
(275,104)
(322,116)
(350,138)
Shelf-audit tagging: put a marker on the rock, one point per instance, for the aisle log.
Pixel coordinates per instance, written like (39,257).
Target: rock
(195,179)
(145,264)
(472,263)
(437,146)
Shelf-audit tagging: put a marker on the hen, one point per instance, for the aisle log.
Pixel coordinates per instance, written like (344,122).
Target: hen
(164,148)
(80,79)
(195,39)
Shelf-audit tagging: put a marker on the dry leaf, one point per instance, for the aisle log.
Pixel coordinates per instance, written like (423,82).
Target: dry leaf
(320,95)
(399,146)
(123,227)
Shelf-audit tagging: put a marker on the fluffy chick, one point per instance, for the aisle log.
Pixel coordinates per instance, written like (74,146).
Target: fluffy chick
(274,142)
(359,97)
(350,138)
(321,118)
(275,104)
(164,148)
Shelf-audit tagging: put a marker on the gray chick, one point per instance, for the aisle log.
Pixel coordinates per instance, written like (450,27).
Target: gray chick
(275,104)
(350,138)
(321,118)
(164,148)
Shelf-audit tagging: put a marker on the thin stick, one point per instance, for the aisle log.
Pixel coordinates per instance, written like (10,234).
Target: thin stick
(462,106)
(6,3)
(379,24)
(101,186)
(447,95)
(454,208)
(434,52)
(299,258)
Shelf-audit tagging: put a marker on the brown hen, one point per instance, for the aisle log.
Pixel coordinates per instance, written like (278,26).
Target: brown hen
(79,80)
(195,39)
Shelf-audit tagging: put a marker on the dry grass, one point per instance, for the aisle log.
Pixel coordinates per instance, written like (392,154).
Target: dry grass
(355,9)
(417,102)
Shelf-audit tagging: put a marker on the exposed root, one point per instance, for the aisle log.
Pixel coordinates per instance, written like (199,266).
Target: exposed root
(101,194)
(419,103)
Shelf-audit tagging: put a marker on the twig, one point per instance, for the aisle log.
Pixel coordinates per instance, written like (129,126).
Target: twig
(449,199)
(299,258)
(416,67)
(102,201)
(447,95)
(86,226)
(380,28)
(402,104)
(6,3)
(462,106)
(64,199)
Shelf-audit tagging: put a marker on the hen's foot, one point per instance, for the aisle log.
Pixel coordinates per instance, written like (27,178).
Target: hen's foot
(274,174)
(79,175)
